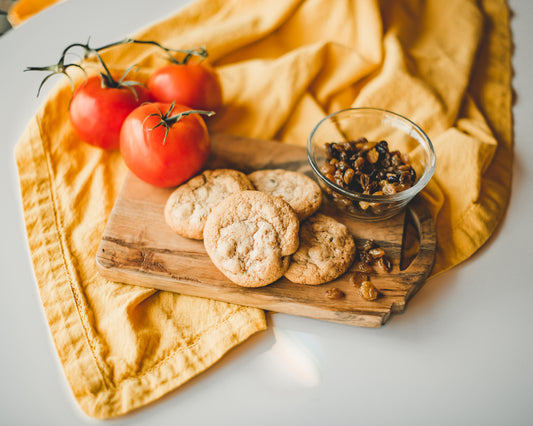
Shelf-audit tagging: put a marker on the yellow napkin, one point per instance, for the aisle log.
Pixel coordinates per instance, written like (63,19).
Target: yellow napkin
(284,64)
(25,9)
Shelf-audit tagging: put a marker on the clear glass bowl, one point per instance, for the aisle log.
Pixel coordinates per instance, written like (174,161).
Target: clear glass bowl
(375,125)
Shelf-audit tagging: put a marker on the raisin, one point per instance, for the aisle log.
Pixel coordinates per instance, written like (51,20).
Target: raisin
(413,175)
(327,169)
(359,163)
(372,156)
(373,187)
(348,176)
(357,278)
(342,165)
(339,181)
(376,253)
(364,205)
(363,267)
(334,293)
(396,159)
(368,244)
(366,257)
(368,291)
(329,150)
(348,146)
(382,147)
(393,178)
(384,263)
(385,161)
(388,189)
(364,181)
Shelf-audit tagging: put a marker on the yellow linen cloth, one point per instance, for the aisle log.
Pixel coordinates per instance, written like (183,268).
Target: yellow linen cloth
(284,65)
(22,10)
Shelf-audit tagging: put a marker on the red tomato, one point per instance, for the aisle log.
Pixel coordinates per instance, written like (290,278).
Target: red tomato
(97,112)
(164,159)
(193,84)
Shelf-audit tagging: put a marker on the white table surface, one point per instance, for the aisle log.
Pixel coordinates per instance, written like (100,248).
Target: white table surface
(461,354)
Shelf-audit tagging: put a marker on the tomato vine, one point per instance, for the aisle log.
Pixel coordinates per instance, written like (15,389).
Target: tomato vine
(62,66)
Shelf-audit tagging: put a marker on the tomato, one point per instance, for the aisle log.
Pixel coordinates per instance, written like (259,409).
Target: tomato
(164,144)
(97,112)
(193,84)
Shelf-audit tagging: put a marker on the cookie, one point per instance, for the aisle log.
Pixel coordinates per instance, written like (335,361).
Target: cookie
(189,205)
(301,192)
(250,236)
(327,249)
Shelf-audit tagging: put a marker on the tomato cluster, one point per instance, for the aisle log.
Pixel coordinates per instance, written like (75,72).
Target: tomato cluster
(159,129)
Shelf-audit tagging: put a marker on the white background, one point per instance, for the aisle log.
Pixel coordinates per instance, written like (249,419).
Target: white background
(461,354)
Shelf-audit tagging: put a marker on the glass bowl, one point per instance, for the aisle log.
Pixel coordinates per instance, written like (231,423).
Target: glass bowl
(404,138)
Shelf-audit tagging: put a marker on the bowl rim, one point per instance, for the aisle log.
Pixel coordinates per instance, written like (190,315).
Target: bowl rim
(399,196)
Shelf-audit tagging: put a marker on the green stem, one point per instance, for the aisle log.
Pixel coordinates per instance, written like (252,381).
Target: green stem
(189,53)
(168,121)
(107,79)
(175,118)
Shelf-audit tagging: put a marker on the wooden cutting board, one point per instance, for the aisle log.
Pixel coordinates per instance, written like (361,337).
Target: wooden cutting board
(139,248)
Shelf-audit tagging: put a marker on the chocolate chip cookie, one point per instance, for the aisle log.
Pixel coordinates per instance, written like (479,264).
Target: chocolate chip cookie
(250,236)
(301,192)
(189,205)
(326,251)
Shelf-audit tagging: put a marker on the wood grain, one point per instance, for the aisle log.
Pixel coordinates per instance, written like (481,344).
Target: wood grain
(139,248)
